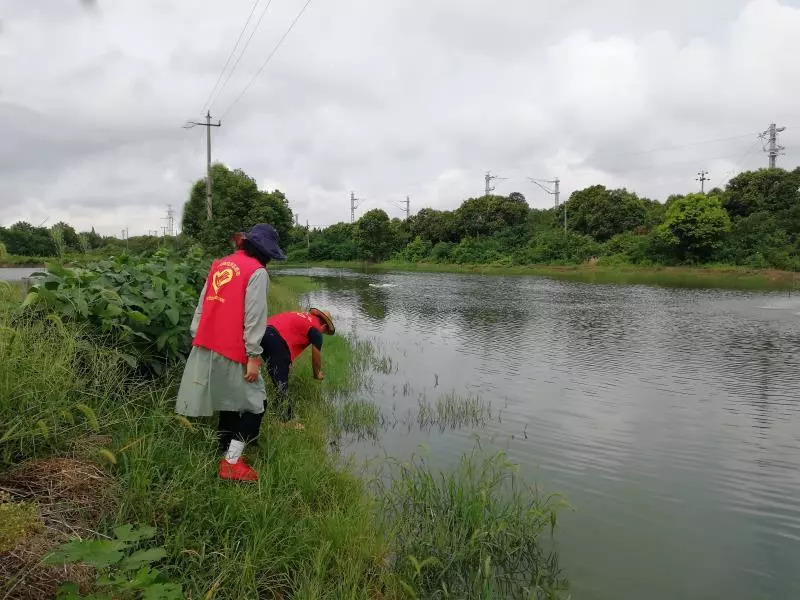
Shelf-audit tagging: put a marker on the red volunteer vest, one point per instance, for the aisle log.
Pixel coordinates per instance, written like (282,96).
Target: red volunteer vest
(293,328)
(221,327)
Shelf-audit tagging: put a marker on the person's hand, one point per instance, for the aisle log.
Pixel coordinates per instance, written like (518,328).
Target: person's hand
(320,376)
(253,367)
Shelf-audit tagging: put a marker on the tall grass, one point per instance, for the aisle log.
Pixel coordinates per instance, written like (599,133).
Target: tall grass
(474,532)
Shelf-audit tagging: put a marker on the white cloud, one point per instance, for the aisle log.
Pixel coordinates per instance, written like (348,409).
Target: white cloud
(385,99)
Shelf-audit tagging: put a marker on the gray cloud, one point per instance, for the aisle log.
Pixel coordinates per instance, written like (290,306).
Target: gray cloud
(384,98)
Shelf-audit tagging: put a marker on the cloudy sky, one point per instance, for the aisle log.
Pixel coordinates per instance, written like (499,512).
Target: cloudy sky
(385,98)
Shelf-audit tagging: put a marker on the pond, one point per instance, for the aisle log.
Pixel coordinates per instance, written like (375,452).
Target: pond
(16,273)
(669,418)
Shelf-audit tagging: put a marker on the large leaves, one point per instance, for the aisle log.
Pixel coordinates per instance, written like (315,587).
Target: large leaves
(142,306)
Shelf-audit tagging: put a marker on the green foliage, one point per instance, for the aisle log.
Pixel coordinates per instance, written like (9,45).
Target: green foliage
(488,215)
(24,239)
(772,190)
(475,251)
(374,236)
(633,248)
(434,226)
(124,566)
(417,250)
(603,213)
(474,532)
(694,227)
(237,205)
(441,252)
(556,247)
(3,251)
(141,306)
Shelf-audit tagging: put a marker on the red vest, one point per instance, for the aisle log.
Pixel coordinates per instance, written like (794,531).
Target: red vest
(293,328)
(221,327)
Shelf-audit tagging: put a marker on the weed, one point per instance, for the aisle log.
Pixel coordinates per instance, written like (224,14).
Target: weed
(471,533)
(124,567)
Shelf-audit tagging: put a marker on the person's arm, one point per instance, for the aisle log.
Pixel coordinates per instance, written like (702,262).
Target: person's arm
(255,316)
(315,337)
(198,311)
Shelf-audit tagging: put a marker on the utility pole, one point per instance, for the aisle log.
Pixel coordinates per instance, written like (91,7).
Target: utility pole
(772,148)
(353,206)
(555,192)
(701,177)
(125,237)
(408,207)
(488,178)
(308,236)
(296,219)
(208,125)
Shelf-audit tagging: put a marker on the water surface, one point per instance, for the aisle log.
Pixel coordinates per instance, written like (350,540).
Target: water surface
(668,417)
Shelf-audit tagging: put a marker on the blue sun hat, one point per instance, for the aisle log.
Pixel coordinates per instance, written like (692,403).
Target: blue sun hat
(265,237)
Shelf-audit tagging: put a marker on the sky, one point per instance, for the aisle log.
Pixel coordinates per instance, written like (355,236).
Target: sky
(385,99)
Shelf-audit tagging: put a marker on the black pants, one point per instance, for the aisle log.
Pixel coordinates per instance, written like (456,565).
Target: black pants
(242,426)
(245,426)
(278,360)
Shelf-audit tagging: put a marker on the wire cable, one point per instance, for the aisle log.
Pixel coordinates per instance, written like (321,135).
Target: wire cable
(206,104)
(266,62)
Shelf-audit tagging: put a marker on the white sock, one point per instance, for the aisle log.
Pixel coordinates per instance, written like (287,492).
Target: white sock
(235,450)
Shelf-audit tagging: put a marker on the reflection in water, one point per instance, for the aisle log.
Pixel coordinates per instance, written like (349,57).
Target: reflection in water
(669,417)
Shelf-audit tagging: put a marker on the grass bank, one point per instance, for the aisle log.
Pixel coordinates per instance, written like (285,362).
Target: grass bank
(87,445)
(716,276)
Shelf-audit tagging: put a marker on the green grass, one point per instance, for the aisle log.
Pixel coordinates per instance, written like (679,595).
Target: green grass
(712,276)
(310,528)
(451,411)
(471,533)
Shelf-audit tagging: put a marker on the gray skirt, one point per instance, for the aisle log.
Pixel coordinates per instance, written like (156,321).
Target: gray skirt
(212,383)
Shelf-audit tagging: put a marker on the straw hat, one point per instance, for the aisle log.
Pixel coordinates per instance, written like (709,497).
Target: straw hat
(326,318)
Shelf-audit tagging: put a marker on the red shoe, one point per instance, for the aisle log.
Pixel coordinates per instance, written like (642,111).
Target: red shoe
(238,471)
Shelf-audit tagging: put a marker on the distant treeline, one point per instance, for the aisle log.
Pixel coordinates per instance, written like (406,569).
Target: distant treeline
(754,222)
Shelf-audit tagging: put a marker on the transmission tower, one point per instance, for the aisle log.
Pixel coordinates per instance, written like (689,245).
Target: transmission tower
(702,178)
(488,178)
(353,206)
(555,192)
(771,147)
(404,205)
(170,219)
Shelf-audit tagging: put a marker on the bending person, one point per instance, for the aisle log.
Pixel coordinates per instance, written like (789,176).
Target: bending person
(288,335)
(223,371)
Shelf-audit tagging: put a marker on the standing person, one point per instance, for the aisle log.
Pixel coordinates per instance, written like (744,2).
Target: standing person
(223,371)
(288,335)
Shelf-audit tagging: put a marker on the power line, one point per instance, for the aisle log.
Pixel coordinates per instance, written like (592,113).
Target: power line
(207,105)
(244,49)
(271,54)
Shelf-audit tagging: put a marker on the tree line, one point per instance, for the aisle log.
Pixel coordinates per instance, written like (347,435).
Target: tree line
(754,221)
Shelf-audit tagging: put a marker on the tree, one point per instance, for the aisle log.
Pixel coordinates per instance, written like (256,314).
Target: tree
(772,190)
(433,225)
(489,214)
(237,205)
(71,241)
(694,227)
(603,213)
(23,239)
(373,234)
